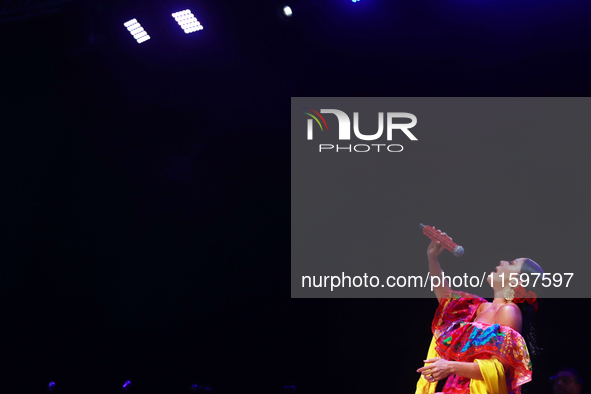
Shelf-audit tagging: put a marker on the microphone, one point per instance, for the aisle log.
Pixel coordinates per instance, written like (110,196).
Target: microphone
(446,241)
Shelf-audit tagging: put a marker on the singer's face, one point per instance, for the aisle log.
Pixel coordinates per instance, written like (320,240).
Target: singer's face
(506,268)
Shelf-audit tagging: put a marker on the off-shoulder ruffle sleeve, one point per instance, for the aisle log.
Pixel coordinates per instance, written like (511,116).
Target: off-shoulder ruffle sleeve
(456,307)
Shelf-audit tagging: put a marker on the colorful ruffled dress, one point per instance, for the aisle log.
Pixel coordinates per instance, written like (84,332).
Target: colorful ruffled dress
(457,337)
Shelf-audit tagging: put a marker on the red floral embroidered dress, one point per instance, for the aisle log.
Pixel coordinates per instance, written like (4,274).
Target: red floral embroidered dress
(457,337)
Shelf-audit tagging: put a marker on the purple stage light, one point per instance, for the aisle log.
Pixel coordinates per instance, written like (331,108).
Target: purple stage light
(136,30)
(187,21)
(126,385)
(51,386)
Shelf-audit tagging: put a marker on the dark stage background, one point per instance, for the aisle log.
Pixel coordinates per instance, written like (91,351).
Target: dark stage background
(146,200)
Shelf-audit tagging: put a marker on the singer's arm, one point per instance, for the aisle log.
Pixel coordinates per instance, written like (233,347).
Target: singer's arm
(435,248)
(441,369)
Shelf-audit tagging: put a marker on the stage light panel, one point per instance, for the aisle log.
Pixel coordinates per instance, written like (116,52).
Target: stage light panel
(136,30)
(187,21)
(287,11)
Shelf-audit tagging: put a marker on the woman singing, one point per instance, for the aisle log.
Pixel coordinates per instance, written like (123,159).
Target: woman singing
(477,344)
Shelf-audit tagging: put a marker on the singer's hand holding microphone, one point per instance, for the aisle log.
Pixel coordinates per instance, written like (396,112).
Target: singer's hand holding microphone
(434,249)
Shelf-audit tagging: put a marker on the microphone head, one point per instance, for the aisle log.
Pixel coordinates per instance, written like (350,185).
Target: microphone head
(458,251)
